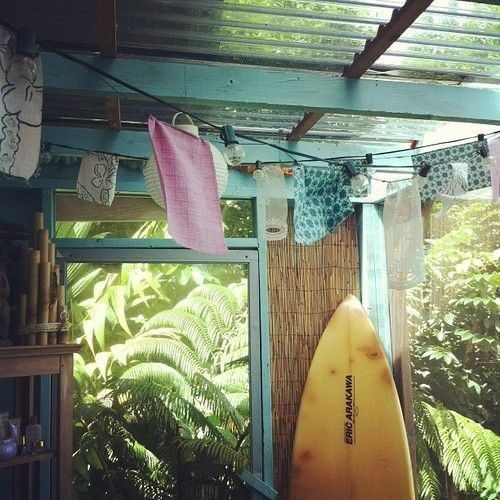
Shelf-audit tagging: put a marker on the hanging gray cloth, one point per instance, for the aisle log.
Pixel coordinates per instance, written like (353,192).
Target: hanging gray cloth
(441,172)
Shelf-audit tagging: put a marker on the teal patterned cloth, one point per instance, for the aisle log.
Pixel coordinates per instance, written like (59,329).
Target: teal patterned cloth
(321,202)
(440,174)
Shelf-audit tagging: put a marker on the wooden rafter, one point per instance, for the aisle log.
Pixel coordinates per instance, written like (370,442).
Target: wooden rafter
(387,34)
(305,124)
(113,112)
(107,27)
(108,46)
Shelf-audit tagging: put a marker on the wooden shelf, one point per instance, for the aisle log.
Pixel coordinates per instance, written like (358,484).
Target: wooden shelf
(27,459)
(26,361)
(38,350)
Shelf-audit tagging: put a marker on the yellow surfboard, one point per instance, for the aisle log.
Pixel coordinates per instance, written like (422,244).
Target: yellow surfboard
(350,440)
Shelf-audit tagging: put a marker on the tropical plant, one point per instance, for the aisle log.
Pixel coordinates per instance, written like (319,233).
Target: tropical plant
(162,396)
(455,316)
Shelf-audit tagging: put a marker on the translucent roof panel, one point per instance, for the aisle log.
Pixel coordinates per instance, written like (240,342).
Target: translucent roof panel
(452,40)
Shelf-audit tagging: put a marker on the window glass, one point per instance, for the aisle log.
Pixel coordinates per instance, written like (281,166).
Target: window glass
(454,319)
(137,217)
(162,381)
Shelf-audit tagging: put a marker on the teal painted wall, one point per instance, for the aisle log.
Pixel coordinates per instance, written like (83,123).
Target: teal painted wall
(16,207)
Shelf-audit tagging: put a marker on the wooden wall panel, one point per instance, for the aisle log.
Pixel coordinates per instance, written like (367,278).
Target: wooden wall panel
(306,283)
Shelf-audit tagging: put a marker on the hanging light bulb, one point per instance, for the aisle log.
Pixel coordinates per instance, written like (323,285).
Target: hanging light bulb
(234,153)
(23,63)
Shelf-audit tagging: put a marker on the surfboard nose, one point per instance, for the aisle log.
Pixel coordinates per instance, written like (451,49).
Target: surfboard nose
(352,301)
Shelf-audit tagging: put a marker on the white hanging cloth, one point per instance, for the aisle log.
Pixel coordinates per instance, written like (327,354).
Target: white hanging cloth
(97,178)
(271,187)
(456,186)
(404,235)
(21,87)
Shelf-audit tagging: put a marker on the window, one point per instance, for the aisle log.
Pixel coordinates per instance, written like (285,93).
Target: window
(454,322)
(170,341)
(137,217)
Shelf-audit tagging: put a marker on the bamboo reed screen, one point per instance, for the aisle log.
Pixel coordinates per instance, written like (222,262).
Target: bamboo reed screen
(306,284)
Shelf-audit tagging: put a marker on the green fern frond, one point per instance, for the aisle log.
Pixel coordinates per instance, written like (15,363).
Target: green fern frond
(223,299)
(206,310)
(213,451)
(158,373)
(169,333)
(190,326)
(233,379)
(145,400)
(171,352)
(469,452)
(210,396)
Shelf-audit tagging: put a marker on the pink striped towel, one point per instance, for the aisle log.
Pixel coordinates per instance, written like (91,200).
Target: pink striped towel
(187,175)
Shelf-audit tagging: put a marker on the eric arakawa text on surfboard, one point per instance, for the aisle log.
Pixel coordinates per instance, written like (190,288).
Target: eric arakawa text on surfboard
(349,424)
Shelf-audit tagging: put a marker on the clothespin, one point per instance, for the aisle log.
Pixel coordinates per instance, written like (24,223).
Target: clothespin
(369,158)
(351,169)
(483,148)
(424,169)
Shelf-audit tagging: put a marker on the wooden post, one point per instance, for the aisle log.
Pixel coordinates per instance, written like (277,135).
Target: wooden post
(66,427)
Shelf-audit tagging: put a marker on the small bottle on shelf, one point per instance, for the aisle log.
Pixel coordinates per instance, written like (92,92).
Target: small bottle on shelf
(33,433)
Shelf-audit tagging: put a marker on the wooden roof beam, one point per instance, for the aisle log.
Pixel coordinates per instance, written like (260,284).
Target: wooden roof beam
(113,112)
(305,124)
(108,47)
(387,34)
(107,27)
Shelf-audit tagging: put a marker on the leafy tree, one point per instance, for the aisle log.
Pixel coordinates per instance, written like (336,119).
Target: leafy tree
(162,395)
(455,315)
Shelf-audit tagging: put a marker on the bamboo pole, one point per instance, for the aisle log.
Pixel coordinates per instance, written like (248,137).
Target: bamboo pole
(61,301)
(52,253)
(54,291)
(33,277)
(44,292)
(37,227)
(23,310)
(43,245)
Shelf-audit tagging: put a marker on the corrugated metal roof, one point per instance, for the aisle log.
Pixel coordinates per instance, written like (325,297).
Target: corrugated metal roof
(452,40)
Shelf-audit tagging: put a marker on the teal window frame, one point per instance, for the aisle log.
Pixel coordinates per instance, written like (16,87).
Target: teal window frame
(261,479)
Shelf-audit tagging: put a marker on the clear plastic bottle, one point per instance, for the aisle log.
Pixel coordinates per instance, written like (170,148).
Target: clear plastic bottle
(33,433)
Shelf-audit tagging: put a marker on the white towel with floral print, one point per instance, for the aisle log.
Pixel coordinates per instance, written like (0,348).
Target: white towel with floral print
(97,178)
(21,88)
